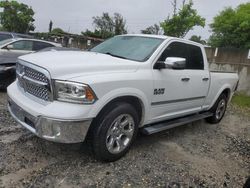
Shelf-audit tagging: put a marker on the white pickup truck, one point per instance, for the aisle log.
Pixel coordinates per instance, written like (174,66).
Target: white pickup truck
(125,84)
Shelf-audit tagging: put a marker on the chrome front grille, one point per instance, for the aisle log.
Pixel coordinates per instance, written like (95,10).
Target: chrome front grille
(37,91)
(33,74)
(34,80)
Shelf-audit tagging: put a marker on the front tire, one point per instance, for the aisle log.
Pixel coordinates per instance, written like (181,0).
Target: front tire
(114,131)
(218,110)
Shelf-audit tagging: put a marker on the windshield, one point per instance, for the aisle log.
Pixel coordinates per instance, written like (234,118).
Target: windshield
(3,42)
(129,47)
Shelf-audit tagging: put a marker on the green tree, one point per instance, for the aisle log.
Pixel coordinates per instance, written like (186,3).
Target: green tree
(231,28)
(182,21)
(154,29)
(107,26)
(120,24)
(50,26)
(57,31)
(1,28)
(16,17)
(104,24)
(95,34)
(198,39)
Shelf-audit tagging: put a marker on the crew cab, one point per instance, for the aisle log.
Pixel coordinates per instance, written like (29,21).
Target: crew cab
(125,84)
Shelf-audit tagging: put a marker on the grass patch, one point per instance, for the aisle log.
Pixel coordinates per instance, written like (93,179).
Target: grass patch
(241,100)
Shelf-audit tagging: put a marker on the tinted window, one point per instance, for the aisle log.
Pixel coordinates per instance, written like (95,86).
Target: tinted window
(23,45)
(175,49)
(4,37)
(41,45)
(195,58)
(193,54)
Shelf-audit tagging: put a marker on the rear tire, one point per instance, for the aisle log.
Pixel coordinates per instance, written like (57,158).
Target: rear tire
(113,131)
(218,110)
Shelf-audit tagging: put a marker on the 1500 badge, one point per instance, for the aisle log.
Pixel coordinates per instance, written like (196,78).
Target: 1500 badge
(159,91)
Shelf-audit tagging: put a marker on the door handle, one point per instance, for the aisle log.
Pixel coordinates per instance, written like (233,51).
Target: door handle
(185,79)
(205,79)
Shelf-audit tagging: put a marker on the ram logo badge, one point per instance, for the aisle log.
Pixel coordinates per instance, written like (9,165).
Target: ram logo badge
(159,91)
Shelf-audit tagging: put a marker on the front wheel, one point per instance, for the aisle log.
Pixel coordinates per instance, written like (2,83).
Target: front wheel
(218,110)
(114,132)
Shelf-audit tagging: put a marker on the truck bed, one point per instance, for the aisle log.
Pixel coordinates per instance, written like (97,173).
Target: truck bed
(219,81)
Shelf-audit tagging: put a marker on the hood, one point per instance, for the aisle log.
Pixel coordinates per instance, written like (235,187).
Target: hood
(71,64)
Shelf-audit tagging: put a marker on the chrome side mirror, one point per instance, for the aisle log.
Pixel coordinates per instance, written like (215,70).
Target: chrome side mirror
(175,62)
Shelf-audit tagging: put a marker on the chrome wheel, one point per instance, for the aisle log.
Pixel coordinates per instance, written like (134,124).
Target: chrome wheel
(120,133)
(220,109)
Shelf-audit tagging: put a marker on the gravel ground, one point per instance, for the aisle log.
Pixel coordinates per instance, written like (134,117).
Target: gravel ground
(195,155)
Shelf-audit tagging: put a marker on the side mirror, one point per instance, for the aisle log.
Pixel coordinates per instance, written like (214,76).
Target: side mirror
(159,65)
(9,47)
(175,62)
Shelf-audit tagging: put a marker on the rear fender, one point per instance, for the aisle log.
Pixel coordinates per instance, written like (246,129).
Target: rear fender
(225,87)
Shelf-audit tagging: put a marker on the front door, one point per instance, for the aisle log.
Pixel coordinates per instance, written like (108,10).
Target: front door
(179,92)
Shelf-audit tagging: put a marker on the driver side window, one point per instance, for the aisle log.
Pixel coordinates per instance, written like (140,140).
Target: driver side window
(192,54)
(175,49)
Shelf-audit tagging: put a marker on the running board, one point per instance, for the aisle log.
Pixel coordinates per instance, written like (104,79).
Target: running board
(165,125)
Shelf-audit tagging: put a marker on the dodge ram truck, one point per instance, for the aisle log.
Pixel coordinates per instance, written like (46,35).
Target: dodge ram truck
(126,84)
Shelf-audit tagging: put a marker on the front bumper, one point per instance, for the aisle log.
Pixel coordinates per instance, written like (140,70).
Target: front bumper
(56,130)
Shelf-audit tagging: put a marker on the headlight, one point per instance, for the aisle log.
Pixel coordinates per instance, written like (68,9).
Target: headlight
(74,92)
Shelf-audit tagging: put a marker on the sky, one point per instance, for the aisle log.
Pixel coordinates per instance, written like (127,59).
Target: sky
(76,15)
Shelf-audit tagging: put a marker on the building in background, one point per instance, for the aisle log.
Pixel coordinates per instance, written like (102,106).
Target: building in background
(70,40)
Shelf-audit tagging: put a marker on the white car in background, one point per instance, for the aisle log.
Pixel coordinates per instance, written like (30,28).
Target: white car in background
(11,49)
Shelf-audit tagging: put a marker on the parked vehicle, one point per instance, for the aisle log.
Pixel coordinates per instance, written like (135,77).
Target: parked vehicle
(10,35)
(11,49)
(106,95)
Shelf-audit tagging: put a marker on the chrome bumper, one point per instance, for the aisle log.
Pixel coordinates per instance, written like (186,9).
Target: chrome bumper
(56,130)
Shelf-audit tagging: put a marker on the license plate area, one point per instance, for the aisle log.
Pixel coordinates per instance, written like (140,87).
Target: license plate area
(22,115)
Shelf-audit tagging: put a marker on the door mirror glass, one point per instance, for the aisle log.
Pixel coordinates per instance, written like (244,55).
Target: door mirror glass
(175,62)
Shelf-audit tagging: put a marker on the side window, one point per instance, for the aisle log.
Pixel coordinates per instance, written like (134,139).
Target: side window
(195,58)
(193,54)
(41,45)
(23,45)
(175,49)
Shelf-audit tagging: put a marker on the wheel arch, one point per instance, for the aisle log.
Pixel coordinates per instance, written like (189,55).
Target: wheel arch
(225,90)
(135,101)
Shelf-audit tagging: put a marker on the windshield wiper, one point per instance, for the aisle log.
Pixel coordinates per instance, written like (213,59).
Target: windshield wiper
(108,53)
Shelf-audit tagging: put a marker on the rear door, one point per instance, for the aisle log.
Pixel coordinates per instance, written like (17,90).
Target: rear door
(38,45)
(20,47)
(179,92)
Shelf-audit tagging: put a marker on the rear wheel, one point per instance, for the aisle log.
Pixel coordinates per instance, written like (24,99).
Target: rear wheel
(114,131)
(218,110)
